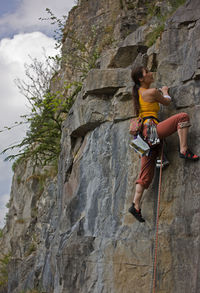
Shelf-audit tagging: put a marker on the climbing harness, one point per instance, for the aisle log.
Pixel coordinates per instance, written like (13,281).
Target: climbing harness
(153,283)
(141,142)
(152,135)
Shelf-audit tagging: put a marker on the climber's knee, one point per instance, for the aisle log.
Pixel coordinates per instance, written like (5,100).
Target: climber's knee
(144,183)
(184,120)
(145,179)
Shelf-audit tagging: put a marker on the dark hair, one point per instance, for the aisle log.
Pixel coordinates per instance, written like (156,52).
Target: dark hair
(136,74)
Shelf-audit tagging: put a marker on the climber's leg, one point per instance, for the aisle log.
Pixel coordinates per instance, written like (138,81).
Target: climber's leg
(147,168)
(182,133)
(145,176)
(185,152)
(143,182)
(138,195)
(179,122)
(172,124)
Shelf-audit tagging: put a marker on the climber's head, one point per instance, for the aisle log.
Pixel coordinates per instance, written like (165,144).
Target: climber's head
(147,78)
(137,75)
(142,76)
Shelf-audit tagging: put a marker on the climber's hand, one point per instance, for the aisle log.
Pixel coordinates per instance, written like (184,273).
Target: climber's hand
(164,90)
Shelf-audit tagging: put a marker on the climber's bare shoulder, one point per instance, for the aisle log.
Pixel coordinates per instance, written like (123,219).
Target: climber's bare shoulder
(149,95)
(154,95)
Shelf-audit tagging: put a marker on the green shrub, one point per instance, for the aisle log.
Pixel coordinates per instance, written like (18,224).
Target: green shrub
(49,107)
(152,37)
(154,11)
(4,262)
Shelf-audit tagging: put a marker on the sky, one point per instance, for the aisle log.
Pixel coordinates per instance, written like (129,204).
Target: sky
(22,35)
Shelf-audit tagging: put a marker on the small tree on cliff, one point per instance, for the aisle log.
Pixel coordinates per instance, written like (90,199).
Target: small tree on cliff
(49,105)
(48,110)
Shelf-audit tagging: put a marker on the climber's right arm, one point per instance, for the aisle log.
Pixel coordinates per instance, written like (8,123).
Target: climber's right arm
(161,96)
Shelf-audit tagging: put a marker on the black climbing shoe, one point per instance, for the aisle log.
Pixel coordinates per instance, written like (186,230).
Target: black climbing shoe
(137,214)
(189,155)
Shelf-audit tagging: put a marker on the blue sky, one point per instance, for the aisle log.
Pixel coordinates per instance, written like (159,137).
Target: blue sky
(21,34)
(8,6)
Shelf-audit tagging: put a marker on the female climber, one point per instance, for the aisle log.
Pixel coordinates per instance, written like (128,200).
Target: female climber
(146,103)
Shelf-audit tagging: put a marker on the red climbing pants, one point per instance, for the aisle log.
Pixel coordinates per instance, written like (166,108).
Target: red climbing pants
(164,129)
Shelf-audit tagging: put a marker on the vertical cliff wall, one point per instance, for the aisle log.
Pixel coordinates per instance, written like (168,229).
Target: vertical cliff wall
(73,233)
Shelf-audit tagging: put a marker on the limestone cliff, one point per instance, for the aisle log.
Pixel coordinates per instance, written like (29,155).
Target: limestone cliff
(71,232)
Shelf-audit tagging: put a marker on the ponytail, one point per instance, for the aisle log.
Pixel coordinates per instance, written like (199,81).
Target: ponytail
(136,99)
(136,74)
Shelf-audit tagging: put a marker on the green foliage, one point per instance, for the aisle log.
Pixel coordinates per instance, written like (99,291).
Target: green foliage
(6,217)
(50,106)
(4,262)
(41,179)
(1,233)
(48,111)
(154,11)
(82,54)
(42,141)
(18,180)
(107,40)
(60,24)
(130,6)
(16,163)
(176,3)
(152,37)
(8,205)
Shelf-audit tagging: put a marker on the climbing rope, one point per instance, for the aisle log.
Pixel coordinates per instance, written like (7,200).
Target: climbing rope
(153,286)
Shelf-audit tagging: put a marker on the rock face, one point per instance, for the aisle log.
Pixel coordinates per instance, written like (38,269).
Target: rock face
(73,234)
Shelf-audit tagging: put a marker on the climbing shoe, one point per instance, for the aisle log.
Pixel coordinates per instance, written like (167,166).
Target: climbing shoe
(188,155)
(136,213)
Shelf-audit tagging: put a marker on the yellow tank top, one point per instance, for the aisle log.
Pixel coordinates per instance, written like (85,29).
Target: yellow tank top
(148,108)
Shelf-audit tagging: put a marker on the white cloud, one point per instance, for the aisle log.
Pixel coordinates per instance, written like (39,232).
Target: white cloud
(22,25)
(4,199)
(26,17)
(13,54)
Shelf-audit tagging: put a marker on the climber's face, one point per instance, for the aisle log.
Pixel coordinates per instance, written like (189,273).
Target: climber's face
(147,76)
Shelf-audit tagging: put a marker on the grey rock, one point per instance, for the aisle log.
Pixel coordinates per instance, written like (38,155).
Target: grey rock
(105,82)
(171,67)
(182,18)
(126,55)
(106,58)
(137,38)
(77,235)
(128,50)
(184,96)
(87,114)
